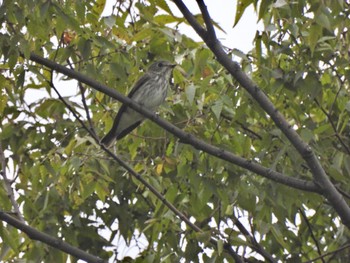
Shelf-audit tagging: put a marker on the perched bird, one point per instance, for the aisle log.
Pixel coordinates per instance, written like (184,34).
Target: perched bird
(150,91)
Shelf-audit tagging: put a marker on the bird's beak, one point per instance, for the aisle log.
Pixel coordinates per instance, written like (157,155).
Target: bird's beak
(172,65)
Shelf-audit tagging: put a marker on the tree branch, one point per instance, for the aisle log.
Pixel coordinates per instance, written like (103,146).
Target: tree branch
(328,254)
(7,185)
(83,100)
(185,137)
(311,233)
(142,180)
(255,245)
(191,19)
(47,239)
(319,174)
(346,148)
(207,19)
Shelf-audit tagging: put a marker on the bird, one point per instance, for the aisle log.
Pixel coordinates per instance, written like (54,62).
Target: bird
(150,90)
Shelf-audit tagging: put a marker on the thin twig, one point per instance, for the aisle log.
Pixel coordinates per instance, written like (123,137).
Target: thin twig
(311,233)
(255,245)
(7,185)
(347,195)
(83,99)
(328,254)
(346,148)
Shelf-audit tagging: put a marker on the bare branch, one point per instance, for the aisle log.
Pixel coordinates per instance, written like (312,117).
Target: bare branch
(191,19)
(47,239)
(207,19)
(83,99)
(255,245)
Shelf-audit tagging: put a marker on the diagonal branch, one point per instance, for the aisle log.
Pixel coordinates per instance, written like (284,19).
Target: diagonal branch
(83,100)
(311,233)
(143,181)
(185,137)
(255,245)
(346,148)
(191,19)
(328,254)
(207,19)
(319,174)
(34,234)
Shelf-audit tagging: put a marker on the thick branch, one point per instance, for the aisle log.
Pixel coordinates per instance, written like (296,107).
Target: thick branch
(207,20)
(185,137)
(47,239)
(191,19)
(319,174)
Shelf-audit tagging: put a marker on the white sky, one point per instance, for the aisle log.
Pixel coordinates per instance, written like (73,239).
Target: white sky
(221,11)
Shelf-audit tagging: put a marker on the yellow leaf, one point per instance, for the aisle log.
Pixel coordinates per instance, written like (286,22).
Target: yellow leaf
(159,168)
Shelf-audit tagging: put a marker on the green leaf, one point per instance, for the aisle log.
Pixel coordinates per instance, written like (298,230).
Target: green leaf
(204,237)
(163,4)
(263,9)
(278,235)
(314,35)
(220,245)
(217,108)
(8,238)
(98,7)
(44,8)
(167,19)
(280,3)
(190,93)
(240,8)
(84,46)
(323,20)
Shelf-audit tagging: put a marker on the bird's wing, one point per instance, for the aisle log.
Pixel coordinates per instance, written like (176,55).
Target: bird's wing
(122,109)
(126,131)
(138,84)
(113,133)
(136,87)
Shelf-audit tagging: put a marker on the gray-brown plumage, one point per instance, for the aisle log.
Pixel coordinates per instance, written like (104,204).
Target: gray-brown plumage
(150,91)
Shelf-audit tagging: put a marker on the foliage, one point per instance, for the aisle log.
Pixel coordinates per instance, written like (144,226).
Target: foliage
(68,187)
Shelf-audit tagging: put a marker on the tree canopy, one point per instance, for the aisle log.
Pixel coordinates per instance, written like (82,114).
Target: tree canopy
(248,160)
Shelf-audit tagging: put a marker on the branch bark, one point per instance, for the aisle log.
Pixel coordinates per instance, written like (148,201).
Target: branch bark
(47,239)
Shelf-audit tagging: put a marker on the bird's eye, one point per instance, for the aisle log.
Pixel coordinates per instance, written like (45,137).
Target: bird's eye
(160,64)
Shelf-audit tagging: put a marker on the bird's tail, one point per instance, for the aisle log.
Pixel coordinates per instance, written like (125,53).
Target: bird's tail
(108,140)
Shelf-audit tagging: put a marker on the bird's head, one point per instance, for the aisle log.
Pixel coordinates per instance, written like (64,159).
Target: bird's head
(161,67)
